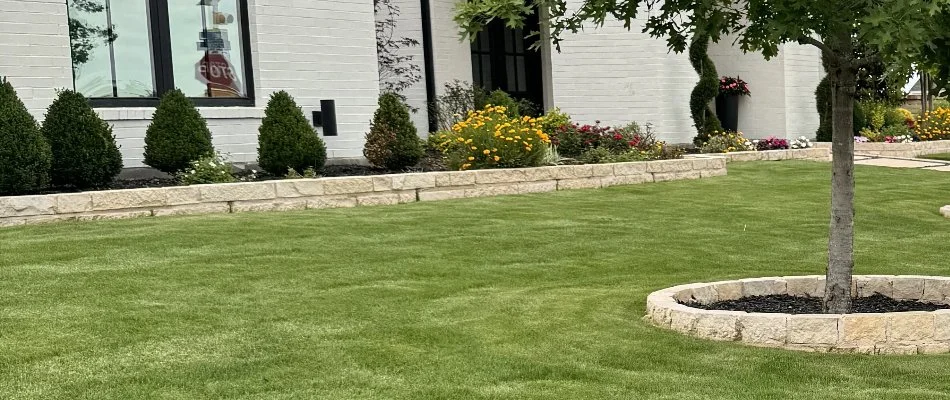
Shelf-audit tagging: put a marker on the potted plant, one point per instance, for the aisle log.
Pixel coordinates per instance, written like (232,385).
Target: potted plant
(727,102)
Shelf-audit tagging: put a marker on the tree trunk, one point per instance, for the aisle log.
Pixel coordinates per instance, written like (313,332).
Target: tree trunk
(841,236)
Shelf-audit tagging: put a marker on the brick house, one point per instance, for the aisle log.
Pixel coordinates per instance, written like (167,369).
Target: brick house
(229,55)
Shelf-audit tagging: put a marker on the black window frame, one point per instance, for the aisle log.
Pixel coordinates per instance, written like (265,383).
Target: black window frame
(164,73)
(499,36)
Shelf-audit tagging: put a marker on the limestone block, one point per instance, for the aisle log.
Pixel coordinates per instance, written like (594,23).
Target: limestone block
(188,209)
(729,290)
(182,195)
(381,199)
(744,156)
(331,202)
(347,185)
(499,176)
(705,294)
(382,183)
(908,288)
(492,190)
(106,215)
(573,171)
(602,170)
(813,329)
(73,203)
(285,204)
(910,326)
(683,319)
(709,173)
(763,286)
(933,348)
(854,349)
(717,325)
(665,166)
(675,176)
(125,199)
(942,325)
(238,191)
(537,187)
(616,180)
(413,181)
(763,329)
(454,178)
(441,194)
(895,349)
(864,328)
(630,168)
(579,183)
(936,290)
(868,285)
(801,285)
(540,174)
(21,206)
(299,188)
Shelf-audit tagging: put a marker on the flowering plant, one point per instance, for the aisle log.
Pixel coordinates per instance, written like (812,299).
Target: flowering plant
(727,142)
(211,168)
(770,143)
(489,138)
(861,139)
(899,139)
(800,143)
(733,86)
(934,125)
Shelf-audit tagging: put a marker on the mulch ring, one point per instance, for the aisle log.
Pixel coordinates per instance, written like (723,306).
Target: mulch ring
(783,303)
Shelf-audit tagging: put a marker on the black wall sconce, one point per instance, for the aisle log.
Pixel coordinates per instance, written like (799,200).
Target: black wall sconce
(326,117)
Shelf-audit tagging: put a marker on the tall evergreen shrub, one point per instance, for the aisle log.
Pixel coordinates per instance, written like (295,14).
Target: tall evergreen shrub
(286,140)
(392,142)
(84,151)
(177,135)
(24,153)
(704,119)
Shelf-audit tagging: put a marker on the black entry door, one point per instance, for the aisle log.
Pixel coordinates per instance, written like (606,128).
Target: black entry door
(502,58)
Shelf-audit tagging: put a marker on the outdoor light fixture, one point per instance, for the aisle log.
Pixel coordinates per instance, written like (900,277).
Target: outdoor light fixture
(326,117)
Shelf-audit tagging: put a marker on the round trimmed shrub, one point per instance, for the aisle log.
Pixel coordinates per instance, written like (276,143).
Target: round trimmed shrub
(286,140)
(392,142)
(24,153)
(84,151)
(704,119)
(177,135)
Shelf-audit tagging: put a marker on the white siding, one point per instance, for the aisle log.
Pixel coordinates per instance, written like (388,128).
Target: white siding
(409,25)
(313,49)
(453,56)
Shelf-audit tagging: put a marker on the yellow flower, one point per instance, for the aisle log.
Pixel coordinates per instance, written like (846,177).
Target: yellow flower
(497,158)
(474,148)
(486,152)
(471,158)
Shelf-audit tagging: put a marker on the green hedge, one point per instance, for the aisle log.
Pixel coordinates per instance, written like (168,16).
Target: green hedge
(24,153)
(704,119)
(392,141)
(84,151)
(177,135)
(286,140)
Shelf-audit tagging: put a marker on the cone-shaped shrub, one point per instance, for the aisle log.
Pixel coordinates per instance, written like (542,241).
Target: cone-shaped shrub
(286,138)
(24,153)
(177,135)
(84,151)
(392,142)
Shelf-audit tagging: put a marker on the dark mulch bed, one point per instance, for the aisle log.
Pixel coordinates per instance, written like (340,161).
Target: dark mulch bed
(782,303)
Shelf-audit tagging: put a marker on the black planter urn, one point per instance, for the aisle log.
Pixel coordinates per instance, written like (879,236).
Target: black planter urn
(727,109)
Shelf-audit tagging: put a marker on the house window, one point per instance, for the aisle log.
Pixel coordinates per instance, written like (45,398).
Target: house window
(502,58)
(129,52)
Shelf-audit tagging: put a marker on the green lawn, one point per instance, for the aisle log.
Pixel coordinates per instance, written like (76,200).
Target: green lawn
(521,297)
(941,156)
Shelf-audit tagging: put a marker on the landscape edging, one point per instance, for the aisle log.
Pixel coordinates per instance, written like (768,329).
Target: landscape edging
(300,194)
(870,333)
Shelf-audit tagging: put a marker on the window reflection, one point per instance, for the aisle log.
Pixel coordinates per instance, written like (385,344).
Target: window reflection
(114,62)
(206,47)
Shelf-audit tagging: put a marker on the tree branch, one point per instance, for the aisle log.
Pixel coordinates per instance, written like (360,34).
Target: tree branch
(817,43)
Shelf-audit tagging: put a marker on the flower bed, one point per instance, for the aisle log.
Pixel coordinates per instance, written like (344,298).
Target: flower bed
(867,333)
(299,194)
(899,150)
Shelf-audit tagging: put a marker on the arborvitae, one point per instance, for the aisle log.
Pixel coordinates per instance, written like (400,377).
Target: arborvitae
(177,135)
(286,140)
(392,142)
(705,91)
(84,151)
(24,153)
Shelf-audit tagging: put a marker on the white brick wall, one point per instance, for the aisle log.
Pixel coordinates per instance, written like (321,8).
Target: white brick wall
(313,49)
(453,56)
(783,101)
(409,25)
(617,75)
